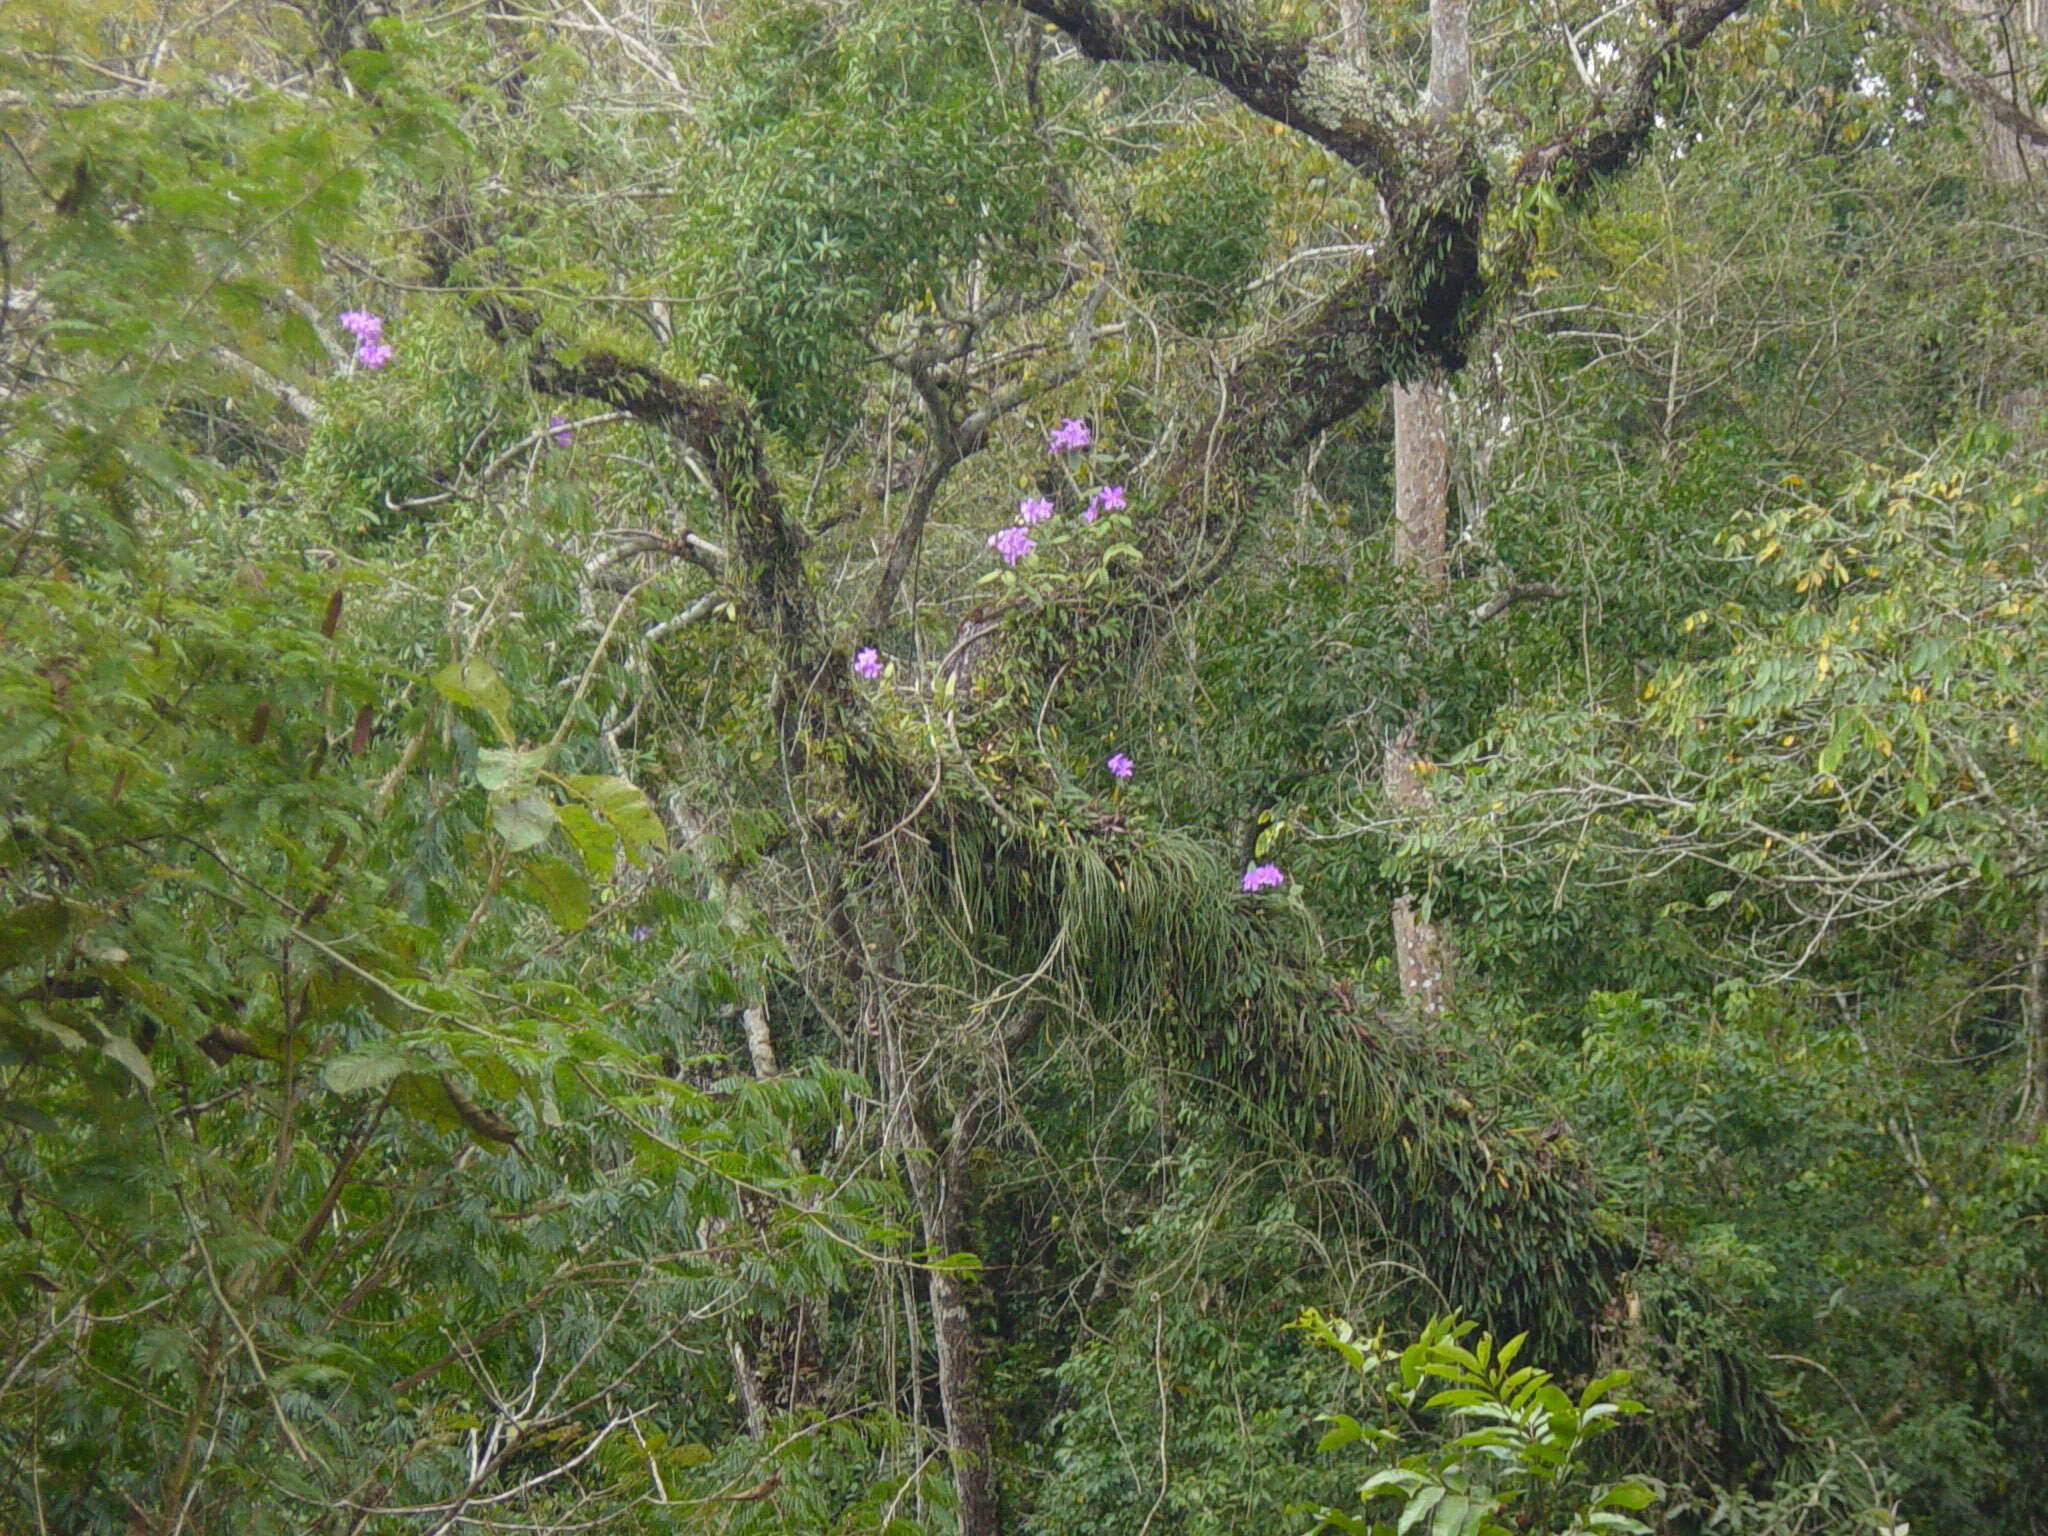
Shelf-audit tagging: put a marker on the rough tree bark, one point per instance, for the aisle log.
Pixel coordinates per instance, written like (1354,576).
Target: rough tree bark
(940,1177)
(1422,494)
(2015,34)
(2033,1113)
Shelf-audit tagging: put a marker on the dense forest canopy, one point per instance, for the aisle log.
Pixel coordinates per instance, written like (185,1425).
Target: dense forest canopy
(1155,766)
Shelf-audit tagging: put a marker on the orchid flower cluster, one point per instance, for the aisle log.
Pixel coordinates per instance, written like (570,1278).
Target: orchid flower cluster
(1015,542)
(1261,876)
(372,350)
(1070,436)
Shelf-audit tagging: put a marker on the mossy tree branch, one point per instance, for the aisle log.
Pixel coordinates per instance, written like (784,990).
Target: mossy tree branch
(1412,308)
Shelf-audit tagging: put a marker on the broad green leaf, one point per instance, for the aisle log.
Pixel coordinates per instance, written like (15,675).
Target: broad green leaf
(1418,1508)
(129,1055)
(1457,1397)
(1600,1386)
(560,888)
(623,805)
(596,844)
(475,684)
(1343,1430)
(510,771)
(524,823)
(1626,1495)
(1458,1515)
(1390,1477)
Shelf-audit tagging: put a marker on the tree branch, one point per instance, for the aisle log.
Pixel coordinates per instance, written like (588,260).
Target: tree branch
(1946,54)
(1355,116)
(715,423)
(296,400)
(1618,126)
(1517,592)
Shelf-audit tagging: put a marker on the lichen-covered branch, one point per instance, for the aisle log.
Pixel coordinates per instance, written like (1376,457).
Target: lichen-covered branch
(1356,116)
(717,426)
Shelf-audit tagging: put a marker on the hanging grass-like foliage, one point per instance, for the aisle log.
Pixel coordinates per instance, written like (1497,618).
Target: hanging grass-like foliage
(1150,929)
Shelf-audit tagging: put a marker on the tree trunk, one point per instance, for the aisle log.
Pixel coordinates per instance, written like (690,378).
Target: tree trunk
(1421,953)
(939,1179)
(960,1386)
(2034,1091)
(1352,29)
(1422,480)
(2017,31)
(1422,477)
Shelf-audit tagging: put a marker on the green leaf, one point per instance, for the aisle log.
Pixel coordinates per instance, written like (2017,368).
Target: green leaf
(129,1055)
(1457,1397)
(50,1029)
(1609,1520)
(476,685)
(1458,1515)
(492,1072)
(524,823)
(1600,1386)
(511,770)
(623,805)
(559,887)
(1390,1477)
(595,843)
(159,1351)
(1343,1431)
(33,930)
(297,333)
(28,1117)
(422,1096)
(1627,1495)
(1419,1508)
(153,996)
(368,1068)
(367,68)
